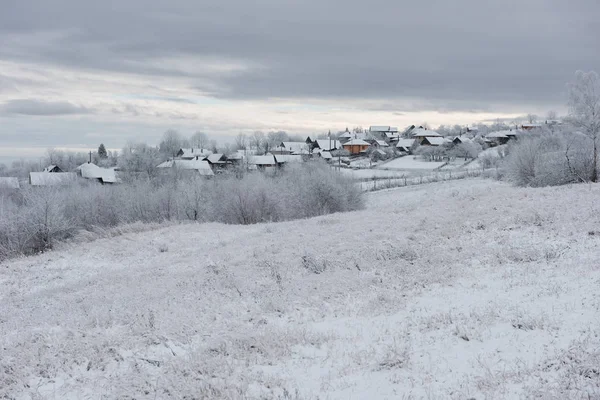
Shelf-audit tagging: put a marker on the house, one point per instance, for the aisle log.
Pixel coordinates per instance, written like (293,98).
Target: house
(192,153)
(420,133)
(529,127)
(218,162)
(55,179)
(343,137)
(461,139)
(201,167)
(356,146)
(263,162)
(432,141)
(500,137)
(327,144)
(94,172)
(52,168)
(282,159)
(405,145)
(291,148)
(9,183)
(378,143)
(325,155)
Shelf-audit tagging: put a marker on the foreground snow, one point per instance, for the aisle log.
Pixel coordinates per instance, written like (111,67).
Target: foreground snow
(464,289)
(410,163)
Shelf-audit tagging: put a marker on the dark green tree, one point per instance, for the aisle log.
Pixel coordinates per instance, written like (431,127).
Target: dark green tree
(102,153)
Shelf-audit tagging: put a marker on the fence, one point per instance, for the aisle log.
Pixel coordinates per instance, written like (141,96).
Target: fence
(439,176)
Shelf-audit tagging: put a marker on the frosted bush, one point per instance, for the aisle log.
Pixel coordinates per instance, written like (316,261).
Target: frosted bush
(33,220)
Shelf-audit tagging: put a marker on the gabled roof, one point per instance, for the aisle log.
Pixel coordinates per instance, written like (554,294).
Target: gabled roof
(326,155)
(382,143)
(462,139)
(201,166)
(328,144)
(263,160)
(55,179)
(356,142)
(345,134)
(9,183)
(434,141)
(51,167)
(420,132)
(189,153)
(499,135)
(92,171)
(287,158)
(216,158)
(295,147)
(407,143)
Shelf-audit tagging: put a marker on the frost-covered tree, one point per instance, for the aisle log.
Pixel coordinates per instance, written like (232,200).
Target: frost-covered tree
(241,141)
(200,140)
(171,143)
(584,110)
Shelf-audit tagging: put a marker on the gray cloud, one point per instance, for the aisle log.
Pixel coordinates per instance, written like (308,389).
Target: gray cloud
(41,108)
(461,55)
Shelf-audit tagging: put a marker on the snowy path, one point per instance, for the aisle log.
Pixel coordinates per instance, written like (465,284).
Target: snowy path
(463,289)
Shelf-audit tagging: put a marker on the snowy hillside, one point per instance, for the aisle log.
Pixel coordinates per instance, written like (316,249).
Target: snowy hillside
(464,289)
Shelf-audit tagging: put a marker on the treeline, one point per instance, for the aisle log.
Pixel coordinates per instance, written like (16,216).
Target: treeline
(33,219)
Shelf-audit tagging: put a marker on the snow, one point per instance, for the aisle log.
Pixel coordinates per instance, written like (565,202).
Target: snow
(371,173)
(52,179)
(327,144)
(262,160)
(357,142)
(420,132)
(486,291)
(92,171)
(201,166)
(9,183)
(410,163)
(435,141)
(287,158)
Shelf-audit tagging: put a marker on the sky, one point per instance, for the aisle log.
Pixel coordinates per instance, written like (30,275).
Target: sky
(77,73)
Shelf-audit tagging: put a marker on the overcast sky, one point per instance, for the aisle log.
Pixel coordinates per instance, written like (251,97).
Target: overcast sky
(74,73)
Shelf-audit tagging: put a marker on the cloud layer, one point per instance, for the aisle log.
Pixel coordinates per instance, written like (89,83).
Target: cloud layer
(217,65)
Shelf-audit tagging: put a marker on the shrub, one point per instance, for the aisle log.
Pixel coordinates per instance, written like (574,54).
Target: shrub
(33,220)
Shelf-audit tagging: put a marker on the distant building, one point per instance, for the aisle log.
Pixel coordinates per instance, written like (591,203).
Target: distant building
(54,179)
(52,168)
(356,146)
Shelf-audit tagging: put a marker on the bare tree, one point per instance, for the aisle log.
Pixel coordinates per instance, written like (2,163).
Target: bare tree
(171,143)
(257,140)
(552,115)
(200,140)
(241,141)
(584,110)
(531,118)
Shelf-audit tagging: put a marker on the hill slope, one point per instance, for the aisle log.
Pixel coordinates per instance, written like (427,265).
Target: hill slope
(463,289)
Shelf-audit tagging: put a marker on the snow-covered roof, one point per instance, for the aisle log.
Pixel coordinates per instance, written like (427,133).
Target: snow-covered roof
(50,168)
(499,135)
(215,158)
(189,153)
(262,160)
(9,183)
(345,134)
(356,142)
(295,147)
(287,158)
(531,125)
(407,143)
(326,155)
(328,144)
(201,166)
(92,171)
(420,132)
(55,179)
(463,139)
(382,143)
(434,140)
(392,129)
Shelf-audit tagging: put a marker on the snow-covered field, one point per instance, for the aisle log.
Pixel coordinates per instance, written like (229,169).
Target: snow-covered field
(467,289)
(372,173)
(410,163)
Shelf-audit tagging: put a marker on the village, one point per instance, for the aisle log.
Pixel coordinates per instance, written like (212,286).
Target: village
(376,149)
